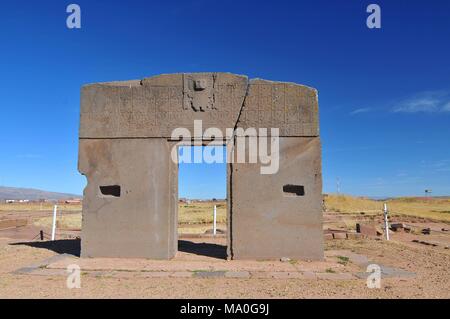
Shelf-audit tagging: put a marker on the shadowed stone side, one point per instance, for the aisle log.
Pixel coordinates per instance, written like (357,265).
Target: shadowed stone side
(268,223)
(142,221)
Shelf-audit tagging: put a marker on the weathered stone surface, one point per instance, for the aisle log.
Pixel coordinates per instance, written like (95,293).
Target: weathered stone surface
(130,204)
(339,235)
(209,274)
(182,274)
(155,106)
(366,229)
(389,272)
(237,274)
(397,227)
(355,236)
(142,220)
(267,223)
(290,107)
(328,236)
(357,259)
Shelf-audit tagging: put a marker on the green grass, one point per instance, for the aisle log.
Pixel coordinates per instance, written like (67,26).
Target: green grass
(343,260)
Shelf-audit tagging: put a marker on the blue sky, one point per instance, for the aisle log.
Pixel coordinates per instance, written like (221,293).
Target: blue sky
(384,94)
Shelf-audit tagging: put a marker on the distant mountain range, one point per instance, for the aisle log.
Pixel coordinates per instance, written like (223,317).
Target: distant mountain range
(32,194)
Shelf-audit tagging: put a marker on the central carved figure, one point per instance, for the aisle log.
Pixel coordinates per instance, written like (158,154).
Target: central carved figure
(199,92)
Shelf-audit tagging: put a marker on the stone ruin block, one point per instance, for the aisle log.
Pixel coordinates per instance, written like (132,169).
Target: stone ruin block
(130,206)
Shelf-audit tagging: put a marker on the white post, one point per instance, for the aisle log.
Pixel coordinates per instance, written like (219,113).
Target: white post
(54,223)
(215,221)
(386,223)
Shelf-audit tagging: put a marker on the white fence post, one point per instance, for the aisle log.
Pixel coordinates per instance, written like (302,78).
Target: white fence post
(215,221)
(54,222)
(386,223)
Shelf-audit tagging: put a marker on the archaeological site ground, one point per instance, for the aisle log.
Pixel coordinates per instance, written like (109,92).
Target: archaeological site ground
(415,265)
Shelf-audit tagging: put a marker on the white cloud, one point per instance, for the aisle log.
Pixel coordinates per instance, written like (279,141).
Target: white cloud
(361,110)
(446,107)
(426,102)
(436,166)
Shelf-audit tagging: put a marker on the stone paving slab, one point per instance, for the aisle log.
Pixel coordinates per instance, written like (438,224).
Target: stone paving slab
(142,268)
(362,261)
(44,264)
(237,274)
(90,264)
(209,274)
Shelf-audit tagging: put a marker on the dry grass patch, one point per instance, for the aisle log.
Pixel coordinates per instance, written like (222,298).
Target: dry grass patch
(201,212)
(196,213)
(66,222)
(26,207)
(198,229)
(431,208)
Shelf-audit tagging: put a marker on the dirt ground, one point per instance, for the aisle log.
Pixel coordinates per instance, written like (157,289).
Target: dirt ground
(333,278)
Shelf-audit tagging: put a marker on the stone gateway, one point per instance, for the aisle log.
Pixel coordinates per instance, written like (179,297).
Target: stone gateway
(130,202)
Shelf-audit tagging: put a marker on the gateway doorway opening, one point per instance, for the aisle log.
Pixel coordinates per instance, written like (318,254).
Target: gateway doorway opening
(202,201)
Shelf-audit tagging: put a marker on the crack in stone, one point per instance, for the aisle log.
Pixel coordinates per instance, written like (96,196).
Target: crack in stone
(214,77)
(242,106)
